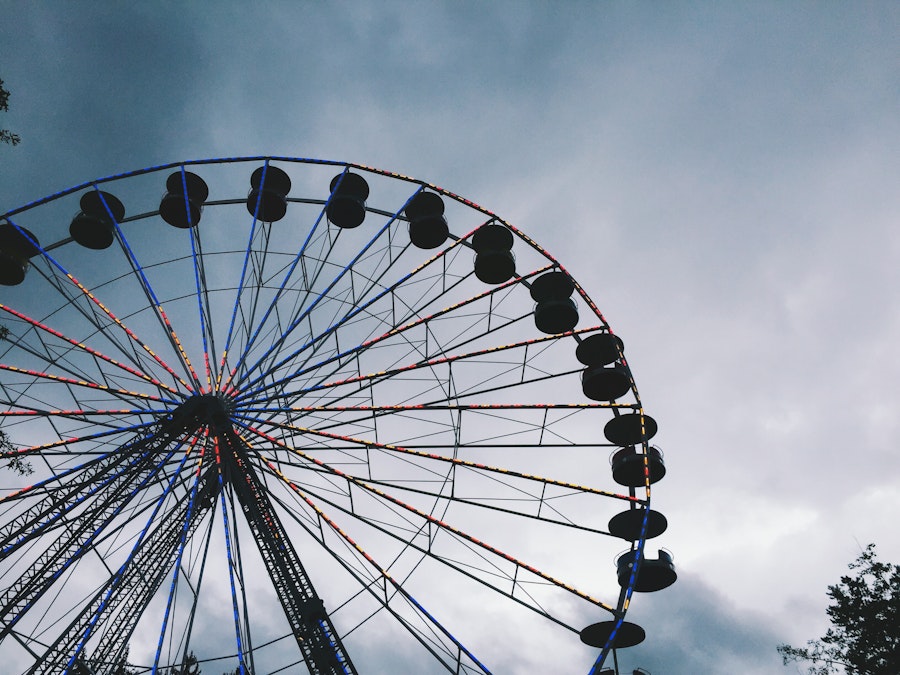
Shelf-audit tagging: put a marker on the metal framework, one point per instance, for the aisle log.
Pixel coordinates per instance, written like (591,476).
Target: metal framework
(246,394)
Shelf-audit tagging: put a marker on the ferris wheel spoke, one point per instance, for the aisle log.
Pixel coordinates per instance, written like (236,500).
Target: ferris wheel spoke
(352,320)
(159,435)
(419,312)
(540,507)
(370,380)
(284,323)
(119,393)
(279,341)
(397,327)
(438,525)
(154,303)
(134,583)
(108,485)
(148,572)
(68,491)
(227,527)
(81,535)
(251,299)
(62,281)
(316,636)
(487,564)
(401,325)
(289,273)
(130,590)
(61,448)
(80,346)
(528,498)
(132,350)
(366,444)
(313,344)
(249,290)
(185,525)
(92,424)
(329,417)
(79,299)
(417,532)
(204,306)
(83,415)
(386,589)
(239,293)
(357,307)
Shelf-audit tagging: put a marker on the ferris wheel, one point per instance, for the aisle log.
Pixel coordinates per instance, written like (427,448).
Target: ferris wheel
(271,414)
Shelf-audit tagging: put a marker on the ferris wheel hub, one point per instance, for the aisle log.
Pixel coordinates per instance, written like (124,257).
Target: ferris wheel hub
(204,410)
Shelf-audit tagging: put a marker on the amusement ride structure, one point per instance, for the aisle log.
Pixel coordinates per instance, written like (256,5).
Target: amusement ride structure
(264,412)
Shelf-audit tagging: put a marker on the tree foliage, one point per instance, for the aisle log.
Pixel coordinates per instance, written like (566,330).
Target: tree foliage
(15,461)
(6,136)
(120,667)
(123,667)
(864,638)
(190,666)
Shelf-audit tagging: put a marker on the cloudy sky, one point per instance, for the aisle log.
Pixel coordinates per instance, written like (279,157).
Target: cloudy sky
(721,177)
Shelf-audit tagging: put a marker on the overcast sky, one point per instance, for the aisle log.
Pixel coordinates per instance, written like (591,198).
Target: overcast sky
(721,177)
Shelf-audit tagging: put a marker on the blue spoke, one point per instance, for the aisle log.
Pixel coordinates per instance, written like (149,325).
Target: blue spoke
(223,368)
(58,512)
(379,594)
(280,340)
(125,568)
(158,310)
(88,543)
(293,266)
(200,281)
(56,266)
(181,546)
(69,472)
(316,341)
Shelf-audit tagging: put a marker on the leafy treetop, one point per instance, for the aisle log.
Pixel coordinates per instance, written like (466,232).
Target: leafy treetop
(6,136)
(864,638)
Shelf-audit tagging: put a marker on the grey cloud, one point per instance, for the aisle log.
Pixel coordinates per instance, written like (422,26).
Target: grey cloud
(720,179)
(691,629)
